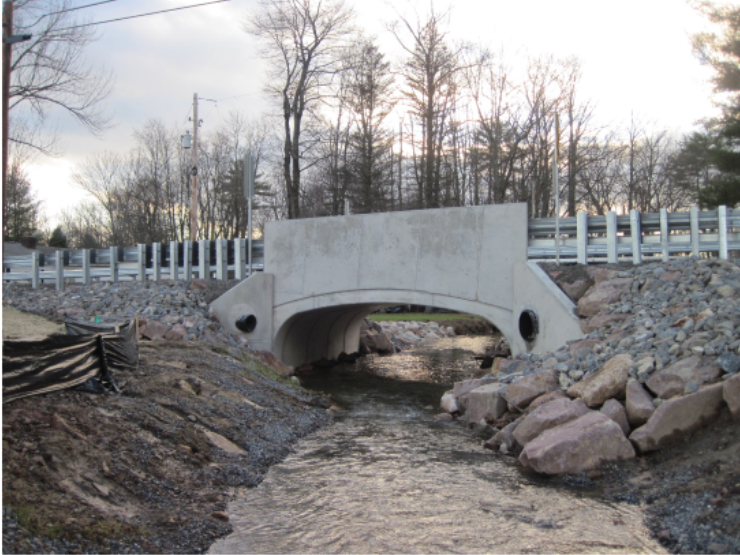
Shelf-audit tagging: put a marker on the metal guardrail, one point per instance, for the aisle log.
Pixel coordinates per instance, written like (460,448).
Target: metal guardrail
(582,239)
(221,259)
(609,238)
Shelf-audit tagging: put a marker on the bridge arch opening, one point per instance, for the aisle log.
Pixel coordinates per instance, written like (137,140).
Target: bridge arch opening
(304,336)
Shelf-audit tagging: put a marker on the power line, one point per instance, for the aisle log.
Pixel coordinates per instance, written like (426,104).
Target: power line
(68,10)
(143,15)
(81,7)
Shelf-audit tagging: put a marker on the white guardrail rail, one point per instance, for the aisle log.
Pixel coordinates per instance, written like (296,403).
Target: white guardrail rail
(612,238)
(219,259)
(584,239)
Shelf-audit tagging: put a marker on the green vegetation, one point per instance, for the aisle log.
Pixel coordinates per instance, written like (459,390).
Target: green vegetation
(422,317)
(259,367)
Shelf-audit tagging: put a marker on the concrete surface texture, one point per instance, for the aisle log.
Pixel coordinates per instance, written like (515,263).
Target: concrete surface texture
(329,273)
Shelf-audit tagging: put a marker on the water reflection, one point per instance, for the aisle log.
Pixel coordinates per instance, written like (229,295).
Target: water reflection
(387,478)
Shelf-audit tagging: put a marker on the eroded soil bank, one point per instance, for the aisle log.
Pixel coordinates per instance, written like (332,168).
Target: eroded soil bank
(149,470)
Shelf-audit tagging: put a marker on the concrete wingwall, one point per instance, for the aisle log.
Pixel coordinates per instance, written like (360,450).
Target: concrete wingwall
(324,275)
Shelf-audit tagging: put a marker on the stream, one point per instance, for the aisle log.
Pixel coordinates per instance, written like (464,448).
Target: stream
(388,478)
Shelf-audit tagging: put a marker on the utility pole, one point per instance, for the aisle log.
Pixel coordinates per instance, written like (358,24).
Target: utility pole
(400,162)
(8,40)
(194,171)
(7,55)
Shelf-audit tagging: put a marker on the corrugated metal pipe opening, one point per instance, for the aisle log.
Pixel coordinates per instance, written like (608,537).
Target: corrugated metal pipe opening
(247,323)
(528,325)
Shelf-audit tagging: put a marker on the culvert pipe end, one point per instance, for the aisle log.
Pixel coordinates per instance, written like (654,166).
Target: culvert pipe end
(529,325)
(246,323)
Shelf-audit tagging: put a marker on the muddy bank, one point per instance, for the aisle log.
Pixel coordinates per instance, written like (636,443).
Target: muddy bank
(149,470)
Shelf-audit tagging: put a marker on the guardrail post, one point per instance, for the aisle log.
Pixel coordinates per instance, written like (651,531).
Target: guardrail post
(35,281)
(141,262)
(204,259)
(664,234)
(174,260)
(86,277)
(240,251)
(611,237)
(694,219)
(156,261)
(582,237)
(722,221)
(636,235)
(114,264)
(59,269)
(222,271)
(187,260)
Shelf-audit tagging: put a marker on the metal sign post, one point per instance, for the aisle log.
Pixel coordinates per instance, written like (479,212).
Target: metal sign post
(249,193)
(556,188)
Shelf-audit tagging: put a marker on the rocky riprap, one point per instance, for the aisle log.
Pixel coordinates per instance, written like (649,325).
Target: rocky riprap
(167,310)
(659,360)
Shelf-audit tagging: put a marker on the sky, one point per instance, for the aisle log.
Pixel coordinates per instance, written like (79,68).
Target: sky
(636,57)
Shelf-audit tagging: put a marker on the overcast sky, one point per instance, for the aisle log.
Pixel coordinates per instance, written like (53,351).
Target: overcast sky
(636,57)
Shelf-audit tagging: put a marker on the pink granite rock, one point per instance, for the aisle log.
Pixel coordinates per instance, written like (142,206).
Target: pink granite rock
(522,392)
(465,387)
(154,330)
(610,381)
(614,410)
(674,379)
(639,404)
(679,416)
(547,397)
(731,394)
(487,402)
(601,320)
(548,416)
(578,445)
(504,437)
(577,289)
(602,295)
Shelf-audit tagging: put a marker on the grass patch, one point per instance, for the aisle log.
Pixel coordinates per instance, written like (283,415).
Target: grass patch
(255,365)
(423,317)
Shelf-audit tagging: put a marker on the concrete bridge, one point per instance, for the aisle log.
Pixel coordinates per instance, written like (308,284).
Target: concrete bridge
(323,276)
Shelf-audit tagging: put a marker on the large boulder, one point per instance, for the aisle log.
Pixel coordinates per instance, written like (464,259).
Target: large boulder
(615,410)
(448,403)
(154,330)
(504,439)
(376,342)
(548,416)
(731,394)
(465,387)
(487,402)
(525,390)
(610,381)
(461,390)
(576,289)
(602,295)
(676,417)
(547,397)
(578,445)
(686,373)
(638,403)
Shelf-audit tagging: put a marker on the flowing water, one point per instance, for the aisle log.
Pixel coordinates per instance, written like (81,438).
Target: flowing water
(388,478)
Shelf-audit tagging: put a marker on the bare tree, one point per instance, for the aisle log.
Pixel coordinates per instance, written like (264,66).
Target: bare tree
(49,72)
(303,41)
(432,73)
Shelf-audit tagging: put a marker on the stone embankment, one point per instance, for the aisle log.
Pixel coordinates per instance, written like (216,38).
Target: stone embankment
(390,337)
(167,311)
(659,360)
